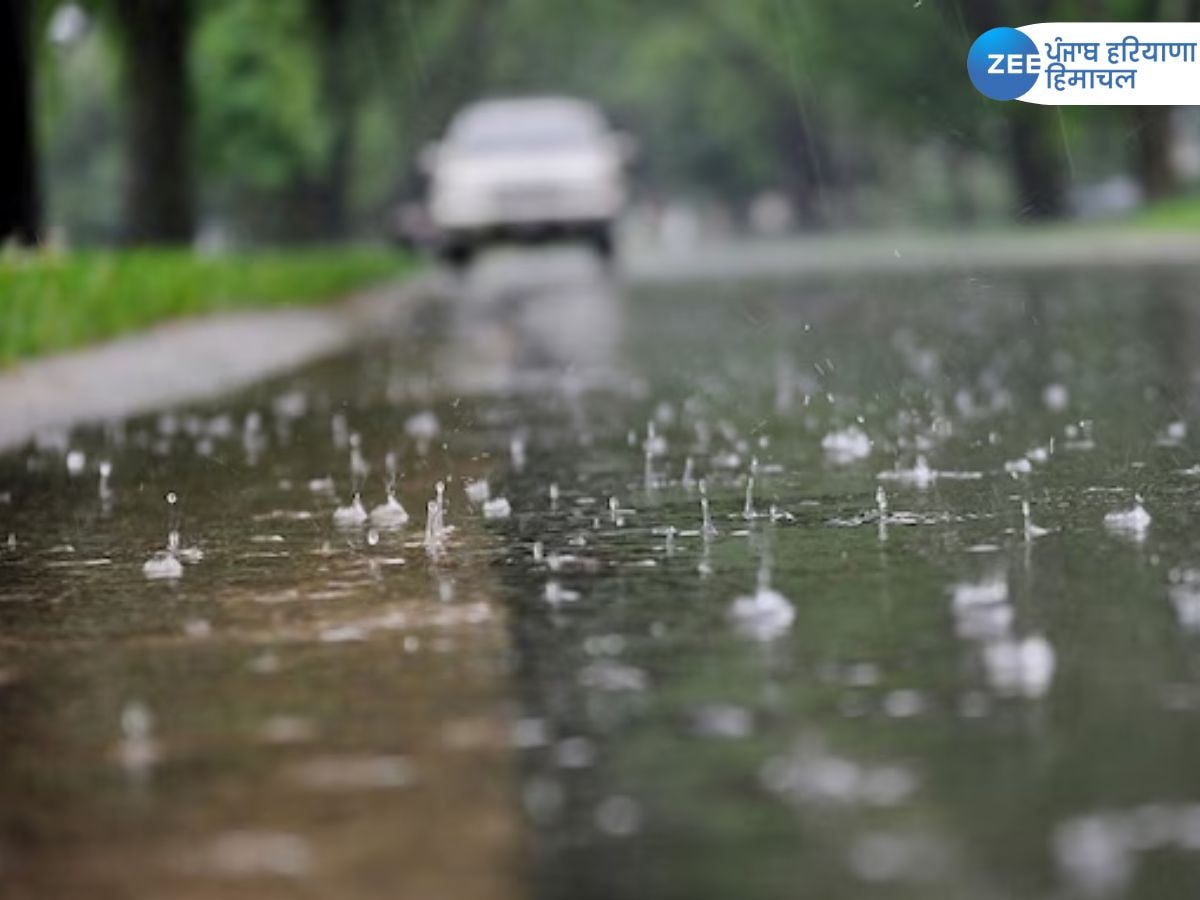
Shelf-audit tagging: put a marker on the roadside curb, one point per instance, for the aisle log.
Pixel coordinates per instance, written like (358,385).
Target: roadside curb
(914,254)
(191,359)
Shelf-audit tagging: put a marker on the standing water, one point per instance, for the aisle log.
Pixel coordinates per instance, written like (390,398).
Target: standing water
(572,698)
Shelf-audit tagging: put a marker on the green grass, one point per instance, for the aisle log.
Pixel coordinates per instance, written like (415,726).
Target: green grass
(1181,213)
(51,302)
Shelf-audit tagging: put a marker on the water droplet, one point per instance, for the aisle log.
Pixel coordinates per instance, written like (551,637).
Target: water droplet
(1132,523)
(575,753)
(766,614)
(903,703)
(846,446)
(255,854)
(478,491)
(352,515)
(435,526)
(748,506)
(516,449)
(707,528)
(499,508)
(1031,530)
(390,514)
(618,816)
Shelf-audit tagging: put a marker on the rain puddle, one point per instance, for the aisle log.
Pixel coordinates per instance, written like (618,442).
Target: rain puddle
(846,589)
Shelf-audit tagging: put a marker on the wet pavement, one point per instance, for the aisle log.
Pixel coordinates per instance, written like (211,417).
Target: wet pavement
(938,636)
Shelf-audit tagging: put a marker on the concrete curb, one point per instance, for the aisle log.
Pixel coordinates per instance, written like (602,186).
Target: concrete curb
(190,360)
(905,254)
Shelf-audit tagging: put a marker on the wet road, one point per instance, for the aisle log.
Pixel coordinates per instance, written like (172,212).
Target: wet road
(939,635)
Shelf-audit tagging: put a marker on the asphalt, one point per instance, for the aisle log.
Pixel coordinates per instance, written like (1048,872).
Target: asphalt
(196,358)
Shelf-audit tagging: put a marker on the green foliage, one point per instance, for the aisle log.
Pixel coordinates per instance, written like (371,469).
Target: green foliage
(1177,213)
(258,106)
(51,302)
(718,130)
(79,132)
(814,97)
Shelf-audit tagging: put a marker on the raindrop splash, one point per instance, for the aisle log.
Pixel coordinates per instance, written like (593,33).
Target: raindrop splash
(766,614)
(1031,529)
(748,508)
(76,461)
(516,449)
(137,751)
(1132,523)
(688,478)
(498,508)
(105,473)
(435,524)
(478,491)
(352,515)
(165,564)
(391,513)
(707,528)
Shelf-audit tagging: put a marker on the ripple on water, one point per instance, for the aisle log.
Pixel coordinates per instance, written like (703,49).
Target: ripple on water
(846,446)
(891,856)
(610,675)
(764,615)
(497,508)
(1099,853)
(350,773)
(1132,523)
(722,720)
(1184,593)
(812,775)
(1021,667)
(252,854)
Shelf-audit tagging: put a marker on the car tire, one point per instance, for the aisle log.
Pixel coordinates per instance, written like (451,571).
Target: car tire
(601,239)
(458,255)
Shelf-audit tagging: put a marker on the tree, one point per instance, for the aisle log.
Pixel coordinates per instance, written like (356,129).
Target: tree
(1036,167)
(1035,163)
(1153,162)
(331,19)
(155,40)
(1153,159)
(18,167)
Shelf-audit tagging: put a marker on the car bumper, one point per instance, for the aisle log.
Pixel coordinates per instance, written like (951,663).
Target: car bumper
(528,210)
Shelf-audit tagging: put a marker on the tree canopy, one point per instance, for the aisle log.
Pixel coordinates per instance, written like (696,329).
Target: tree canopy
(302,119)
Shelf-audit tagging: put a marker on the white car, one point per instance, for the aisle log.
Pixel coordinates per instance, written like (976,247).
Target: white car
(525,170)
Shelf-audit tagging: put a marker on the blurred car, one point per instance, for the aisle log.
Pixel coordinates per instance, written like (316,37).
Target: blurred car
(525,170)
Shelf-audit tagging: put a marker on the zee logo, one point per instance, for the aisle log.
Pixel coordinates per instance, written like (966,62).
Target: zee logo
(1003,64)
(1016,64)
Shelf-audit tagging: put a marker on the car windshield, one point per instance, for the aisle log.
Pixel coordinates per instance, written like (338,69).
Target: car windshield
(514,129)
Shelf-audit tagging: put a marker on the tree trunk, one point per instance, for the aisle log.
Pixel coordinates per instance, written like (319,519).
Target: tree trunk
(1036,170)
(963,209)
(1153,162)
(805,169)
(18,166)
(331,18)
(159,199)
(1155,166)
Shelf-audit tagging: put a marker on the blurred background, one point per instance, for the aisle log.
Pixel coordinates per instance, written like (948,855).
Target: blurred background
(233,123)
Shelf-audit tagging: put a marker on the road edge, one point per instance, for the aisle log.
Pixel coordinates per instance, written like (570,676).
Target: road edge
(192,359)
(886,254)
